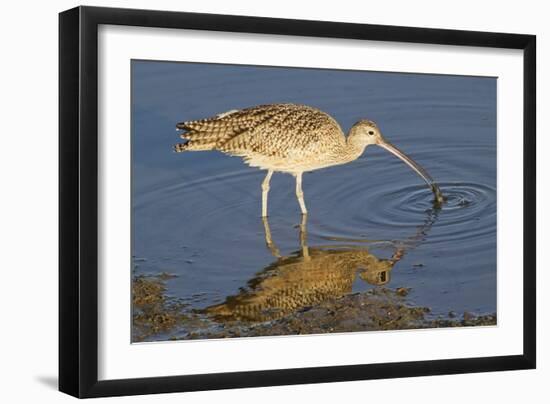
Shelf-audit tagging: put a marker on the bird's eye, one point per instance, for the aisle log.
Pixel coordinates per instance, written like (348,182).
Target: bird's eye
(371,132)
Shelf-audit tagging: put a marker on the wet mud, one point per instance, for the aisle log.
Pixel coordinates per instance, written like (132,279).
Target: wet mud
(157,315)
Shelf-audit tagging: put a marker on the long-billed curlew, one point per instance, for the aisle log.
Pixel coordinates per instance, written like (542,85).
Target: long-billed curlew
(288,138)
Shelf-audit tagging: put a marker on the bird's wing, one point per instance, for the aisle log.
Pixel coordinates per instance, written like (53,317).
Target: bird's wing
(271,130)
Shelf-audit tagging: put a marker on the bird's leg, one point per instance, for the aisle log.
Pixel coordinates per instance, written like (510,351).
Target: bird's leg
(303,238)
(300,193)
(265,191)
(268,240)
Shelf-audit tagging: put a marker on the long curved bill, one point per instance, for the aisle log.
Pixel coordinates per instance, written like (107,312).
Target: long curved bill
(416,167)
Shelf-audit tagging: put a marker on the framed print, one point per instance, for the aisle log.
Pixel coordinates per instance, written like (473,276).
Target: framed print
(251,201)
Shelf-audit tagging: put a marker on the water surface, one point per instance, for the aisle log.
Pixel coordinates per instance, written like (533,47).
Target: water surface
(197,215)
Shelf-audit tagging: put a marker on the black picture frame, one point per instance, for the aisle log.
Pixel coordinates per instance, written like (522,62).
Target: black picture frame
(78,201)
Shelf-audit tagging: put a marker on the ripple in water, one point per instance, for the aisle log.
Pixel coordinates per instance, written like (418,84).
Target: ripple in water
(347,208)
(357,208)
(220,216)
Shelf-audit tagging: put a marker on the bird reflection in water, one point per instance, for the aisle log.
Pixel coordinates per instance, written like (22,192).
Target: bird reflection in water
(308,277)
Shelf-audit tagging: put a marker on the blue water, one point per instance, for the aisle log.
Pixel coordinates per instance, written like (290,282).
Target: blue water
(197,214)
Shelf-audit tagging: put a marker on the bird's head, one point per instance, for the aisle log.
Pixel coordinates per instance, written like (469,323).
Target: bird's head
(365,133)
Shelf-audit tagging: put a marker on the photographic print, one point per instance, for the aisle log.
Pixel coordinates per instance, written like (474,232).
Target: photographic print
(278,201)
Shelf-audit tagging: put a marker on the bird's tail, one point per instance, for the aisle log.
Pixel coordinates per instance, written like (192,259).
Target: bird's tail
(207,134)
(194,145)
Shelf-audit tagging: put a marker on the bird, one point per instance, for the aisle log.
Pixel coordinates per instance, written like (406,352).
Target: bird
(288,138)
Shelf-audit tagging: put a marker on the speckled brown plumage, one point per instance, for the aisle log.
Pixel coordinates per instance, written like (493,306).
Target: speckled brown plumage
(283,137)
(288,138)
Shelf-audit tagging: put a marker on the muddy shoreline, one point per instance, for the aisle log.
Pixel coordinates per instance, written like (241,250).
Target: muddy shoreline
(158,317)
(375,310)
